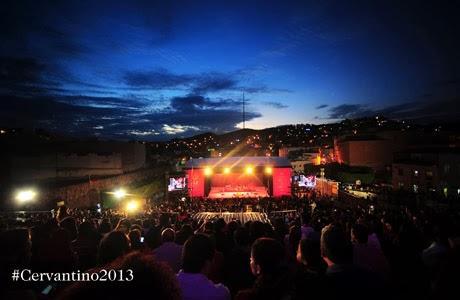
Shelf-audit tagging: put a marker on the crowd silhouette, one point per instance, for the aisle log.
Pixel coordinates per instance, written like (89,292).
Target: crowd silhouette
(320,248)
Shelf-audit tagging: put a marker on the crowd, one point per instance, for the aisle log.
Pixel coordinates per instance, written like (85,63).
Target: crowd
(326,249)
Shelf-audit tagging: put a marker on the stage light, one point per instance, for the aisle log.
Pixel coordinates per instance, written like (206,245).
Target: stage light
(25,196)
(226,170)
(119,194)
(208,171)
(249,170)
(268,170)
(132,206)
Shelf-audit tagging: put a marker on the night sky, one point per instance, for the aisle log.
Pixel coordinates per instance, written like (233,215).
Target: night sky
(157,70)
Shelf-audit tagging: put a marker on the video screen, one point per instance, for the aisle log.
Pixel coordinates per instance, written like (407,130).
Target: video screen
(177,184)
(305,181)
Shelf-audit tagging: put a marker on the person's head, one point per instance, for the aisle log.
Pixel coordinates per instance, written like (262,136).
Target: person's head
(197,254)
(294,237)
(335,247)
(309,254)
(61,213)
(85,229)
(256,230)
(112,246)
(106,226)
(266,256)
(123,225)
(149,277)
(168,235)
(69,224)
(153,238)
(208,226)
(135,239)
(184,233)
(359,234)
(241,236)
(16,247)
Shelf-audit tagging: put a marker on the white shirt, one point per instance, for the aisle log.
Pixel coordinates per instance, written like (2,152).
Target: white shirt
(196,286)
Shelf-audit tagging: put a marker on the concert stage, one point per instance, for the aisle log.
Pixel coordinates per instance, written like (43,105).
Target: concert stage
(239,177)
(230,216)
(232,192)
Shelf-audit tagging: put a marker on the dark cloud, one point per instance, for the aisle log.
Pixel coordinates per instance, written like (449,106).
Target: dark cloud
(274,104)
(202,83)
(322,106)
(195,102)
(213,82)
(20,71)
(422,111)
(123,118)
(349,111)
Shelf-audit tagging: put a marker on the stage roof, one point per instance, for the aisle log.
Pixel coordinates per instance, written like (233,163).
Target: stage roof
(238,161)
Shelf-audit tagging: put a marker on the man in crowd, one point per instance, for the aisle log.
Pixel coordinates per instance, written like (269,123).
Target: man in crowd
(197,257)
(169,251)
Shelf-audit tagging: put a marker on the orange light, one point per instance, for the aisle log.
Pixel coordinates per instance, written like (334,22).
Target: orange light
(226,170)
(318,160)
(132,206)
(268,170)
(208,171)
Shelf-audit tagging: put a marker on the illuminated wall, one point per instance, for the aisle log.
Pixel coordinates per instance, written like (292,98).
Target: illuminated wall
(281,182)
(196,182)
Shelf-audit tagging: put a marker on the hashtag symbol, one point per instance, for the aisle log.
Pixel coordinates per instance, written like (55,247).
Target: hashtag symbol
(15,275)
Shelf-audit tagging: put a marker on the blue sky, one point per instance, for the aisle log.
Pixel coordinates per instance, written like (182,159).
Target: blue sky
(157,70)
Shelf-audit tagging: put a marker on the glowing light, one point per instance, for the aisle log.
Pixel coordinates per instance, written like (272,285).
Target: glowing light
(208,171)
(268,170)
(132,206)
(120,193)
(25,196)
(249,170)
(226,170)
(318,160)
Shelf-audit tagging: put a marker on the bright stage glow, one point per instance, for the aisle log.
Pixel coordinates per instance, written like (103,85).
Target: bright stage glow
(249,170)
(25,196)
(208,171)
(268,170)
(120,193)
(132,206)
(226,170)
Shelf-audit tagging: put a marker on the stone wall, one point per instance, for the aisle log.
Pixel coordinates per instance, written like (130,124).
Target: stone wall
(86,194)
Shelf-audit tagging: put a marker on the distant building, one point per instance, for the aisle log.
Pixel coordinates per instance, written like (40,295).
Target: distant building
(424,170)
(74,159)
(368,151)
(65,165)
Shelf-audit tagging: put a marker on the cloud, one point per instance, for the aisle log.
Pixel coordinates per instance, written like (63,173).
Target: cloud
(196,102)
(176,129)
(322,106)
(201,83)
(348,111)
(274,104)
(121,118)
(421,111)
